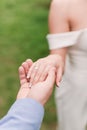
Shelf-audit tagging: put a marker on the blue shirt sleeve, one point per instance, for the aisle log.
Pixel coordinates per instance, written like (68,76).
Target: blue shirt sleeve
(25,114)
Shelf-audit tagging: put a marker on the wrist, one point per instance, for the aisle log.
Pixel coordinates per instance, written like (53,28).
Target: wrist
(57,58)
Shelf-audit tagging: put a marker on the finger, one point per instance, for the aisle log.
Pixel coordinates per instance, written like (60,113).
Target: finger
(50,80)
(44,73)
(22,75)
(30,70)
(38,74)
(34,72)
(27,64)
(59,76)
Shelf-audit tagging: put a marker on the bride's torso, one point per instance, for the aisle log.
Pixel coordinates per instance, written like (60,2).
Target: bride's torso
(78,30)
(77,52)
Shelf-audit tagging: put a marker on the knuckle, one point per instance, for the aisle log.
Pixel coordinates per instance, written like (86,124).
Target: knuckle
(23,63)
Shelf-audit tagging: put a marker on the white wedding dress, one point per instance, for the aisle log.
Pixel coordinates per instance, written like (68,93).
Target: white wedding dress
(71,96)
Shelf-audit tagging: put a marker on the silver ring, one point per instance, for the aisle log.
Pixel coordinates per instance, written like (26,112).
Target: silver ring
(36,67)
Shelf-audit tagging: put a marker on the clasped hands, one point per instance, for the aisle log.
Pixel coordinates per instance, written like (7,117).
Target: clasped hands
(37,79)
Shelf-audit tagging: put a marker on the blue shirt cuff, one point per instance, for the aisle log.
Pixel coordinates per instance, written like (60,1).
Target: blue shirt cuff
(24,114)
(30,107)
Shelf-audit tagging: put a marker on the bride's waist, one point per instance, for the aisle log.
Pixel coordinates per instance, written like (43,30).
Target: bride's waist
(77,63)
(76,72)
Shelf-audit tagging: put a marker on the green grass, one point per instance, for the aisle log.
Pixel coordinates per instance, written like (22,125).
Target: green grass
(23,28)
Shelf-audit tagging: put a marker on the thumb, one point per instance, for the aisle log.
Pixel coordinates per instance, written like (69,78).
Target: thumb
(50,80)
(22,75)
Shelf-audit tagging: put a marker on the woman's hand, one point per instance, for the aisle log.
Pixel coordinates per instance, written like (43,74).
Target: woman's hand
(39,70)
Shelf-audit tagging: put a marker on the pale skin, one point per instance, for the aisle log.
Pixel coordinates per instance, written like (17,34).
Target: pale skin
(64,16)
(41,91)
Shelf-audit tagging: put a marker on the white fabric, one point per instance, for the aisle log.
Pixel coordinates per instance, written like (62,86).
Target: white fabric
(63,39)
(71,96)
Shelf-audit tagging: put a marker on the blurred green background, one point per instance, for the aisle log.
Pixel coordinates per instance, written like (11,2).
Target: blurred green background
(23,30)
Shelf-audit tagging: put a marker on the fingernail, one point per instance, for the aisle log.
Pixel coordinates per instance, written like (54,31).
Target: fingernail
(58,84)
(28,76)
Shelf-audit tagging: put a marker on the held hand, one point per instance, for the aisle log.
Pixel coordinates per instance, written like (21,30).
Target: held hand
(40,91)
(40,68)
